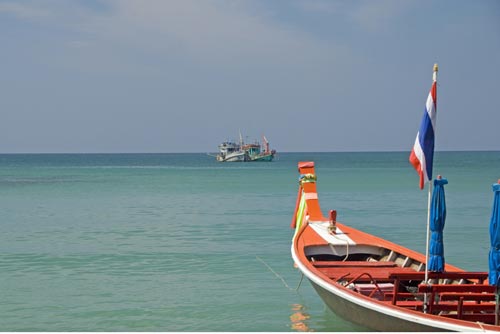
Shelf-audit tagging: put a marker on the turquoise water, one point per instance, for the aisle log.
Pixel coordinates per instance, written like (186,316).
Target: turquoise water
(178,242)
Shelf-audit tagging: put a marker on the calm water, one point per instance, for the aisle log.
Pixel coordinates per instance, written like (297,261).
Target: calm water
(178,242)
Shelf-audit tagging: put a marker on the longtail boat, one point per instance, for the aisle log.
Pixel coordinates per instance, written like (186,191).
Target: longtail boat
(378,284)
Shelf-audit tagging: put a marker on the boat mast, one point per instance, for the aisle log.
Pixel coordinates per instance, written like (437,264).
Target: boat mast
(429,195)
(266,144)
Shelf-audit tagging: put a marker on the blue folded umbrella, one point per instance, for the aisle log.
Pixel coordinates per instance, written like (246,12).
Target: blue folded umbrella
(494,257)
(437,219)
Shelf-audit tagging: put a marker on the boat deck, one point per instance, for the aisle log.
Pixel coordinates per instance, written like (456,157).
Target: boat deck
(360,271)
(458,295)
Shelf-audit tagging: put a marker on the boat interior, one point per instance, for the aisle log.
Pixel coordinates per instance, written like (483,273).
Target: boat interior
(397,279)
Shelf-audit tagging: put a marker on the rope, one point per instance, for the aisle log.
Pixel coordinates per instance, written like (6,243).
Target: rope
(279,276)
(298,286)
(480,325)
(347,246)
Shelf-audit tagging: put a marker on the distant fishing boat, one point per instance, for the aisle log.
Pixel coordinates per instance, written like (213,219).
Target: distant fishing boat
(258,152)
(231,151)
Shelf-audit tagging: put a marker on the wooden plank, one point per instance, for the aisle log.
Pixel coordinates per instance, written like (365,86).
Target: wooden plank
(363,274)
(476,296)
(454,275)
(466,307)
(322,264)
(412,304)
(458,288)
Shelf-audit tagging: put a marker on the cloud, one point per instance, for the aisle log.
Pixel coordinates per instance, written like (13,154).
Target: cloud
(366,14)
(320,6)
(23,10)
(374,15)
(48,12)
(218,32)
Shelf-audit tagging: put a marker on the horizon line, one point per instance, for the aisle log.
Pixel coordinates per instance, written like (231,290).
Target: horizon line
(360,151)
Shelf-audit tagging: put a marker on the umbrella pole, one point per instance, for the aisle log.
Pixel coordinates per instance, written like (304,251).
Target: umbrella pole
(496,305)
(427,243)
(497,297)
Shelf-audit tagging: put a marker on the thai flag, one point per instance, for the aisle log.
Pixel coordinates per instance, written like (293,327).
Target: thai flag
(423,151)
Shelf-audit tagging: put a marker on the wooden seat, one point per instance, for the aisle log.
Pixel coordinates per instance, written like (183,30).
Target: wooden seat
(456,288)
(480,276)
(323,264)
(474,296)
(417,305)
(466,307)
(464,301)
(362,274)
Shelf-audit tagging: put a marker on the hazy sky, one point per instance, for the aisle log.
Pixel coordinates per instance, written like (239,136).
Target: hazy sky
(184,75)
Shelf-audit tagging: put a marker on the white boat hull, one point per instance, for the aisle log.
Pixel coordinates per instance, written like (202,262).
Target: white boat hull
(232,157)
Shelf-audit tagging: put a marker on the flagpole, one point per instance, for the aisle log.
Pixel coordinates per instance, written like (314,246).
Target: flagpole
(434,79)
(429,195)
(426,280)
(428,231)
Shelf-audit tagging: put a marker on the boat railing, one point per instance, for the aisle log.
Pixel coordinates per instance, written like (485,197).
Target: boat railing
(472,302)
(419,276)
(372,289)
(464,296)
(467,299)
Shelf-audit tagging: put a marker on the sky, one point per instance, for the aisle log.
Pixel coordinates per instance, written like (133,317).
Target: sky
(158,76)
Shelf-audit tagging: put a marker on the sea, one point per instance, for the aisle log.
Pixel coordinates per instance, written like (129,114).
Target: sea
(180,242)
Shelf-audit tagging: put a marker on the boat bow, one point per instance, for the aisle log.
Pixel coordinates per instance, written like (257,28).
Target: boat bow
(378,284)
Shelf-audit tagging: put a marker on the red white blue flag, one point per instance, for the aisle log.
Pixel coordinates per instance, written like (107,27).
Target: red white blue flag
(423,151)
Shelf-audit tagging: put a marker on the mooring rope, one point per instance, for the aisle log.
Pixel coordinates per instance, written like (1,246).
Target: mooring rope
(298,285)
(279,276)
